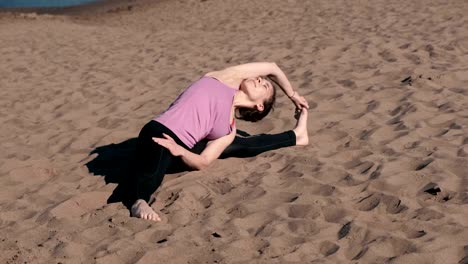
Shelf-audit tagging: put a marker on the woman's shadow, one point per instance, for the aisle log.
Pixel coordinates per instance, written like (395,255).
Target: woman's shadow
(116,162)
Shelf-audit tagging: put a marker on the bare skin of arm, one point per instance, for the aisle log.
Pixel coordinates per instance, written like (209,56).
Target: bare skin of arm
(198,161)
(234,75)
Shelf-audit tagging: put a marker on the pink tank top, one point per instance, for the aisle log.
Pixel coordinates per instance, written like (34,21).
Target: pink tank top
(202,111)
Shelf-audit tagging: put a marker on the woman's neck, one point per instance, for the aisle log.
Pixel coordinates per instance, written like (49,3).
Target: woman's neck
(241,100)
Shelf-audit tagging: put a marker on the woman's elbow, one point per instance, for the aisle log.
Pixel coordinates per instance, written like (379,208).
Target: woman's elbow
(205,163)
(274,68)
(200,167)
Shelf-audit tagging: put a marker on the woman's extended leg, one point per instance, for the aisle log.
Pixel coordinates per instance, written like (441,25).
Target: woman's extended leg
(250,146)
(243,147)
(254,145)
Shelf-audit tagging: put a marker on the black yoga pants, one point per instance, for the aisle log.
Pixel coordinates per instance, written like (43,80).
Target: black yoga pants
(153,160)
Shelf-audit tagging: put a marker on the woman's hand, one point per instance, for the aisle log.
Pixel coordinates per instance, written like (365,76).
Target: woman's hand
(170,144)
(299,101)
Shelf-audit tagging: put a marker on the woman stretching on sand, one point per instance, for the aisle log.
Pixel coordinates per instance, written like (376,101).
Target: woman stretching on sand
(205,114)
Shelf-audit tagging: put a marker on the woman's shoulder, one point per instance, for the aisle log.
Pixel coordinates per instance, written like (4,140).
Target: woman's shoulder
(225,77)
(218,74)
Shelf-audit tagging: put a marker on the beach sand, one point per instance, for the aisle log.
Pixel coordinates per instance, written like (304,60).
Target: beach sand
(384,179)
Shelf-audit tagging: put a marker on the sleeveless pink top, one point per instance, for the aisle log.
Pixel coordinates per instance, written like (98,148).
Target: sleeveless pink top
(202,111)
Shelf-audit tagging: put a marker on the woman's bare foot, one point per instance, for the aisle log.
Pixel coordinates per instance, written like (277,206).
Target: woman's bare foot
(302,138)
(141,209)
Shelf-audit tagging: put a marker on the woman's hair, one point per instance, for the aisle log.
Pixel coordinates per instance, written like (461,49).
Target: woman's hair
(253,114)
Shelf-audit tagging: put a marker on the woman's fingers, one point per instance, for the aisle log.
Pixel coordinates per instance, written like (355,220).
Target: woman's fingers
(303,102)
(165,140)
(302,105)
(161,141)
(300,101)
(168,137)
(169,144)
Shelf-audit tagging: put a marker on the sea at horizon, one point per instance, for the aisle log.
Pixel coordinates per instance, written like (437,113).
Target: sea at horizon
(42,3)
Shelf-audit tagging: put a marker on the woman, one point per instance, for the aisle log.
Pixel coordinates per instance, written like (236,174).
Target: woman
(205,114)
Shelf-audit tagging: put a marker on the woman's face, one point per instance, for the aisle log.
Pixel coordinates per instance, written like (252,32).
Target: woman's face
(257,89)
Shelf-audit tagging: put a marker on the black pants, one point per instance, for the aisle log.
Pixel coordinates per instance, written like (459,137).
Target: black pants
(153,160)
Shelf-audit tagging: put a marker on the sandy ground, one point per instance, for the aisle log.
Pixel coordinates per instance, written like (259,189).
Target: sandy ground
(384,180)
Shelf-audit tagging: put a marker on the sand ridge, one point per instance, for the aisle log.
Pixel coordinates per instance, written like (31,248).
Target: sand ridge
(384,179)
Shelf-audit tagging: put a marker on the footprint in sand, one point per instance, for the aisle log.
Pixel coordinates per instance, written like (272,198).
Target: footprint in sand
(222,186)
(255,178)
(303,227)
(413,58)
(376,173)
(433,191)
(334,214)
(359,166)
(447,107)
(369,202)
(430,188)
(323,189)
(344,230)
(462,91)
(238,211)
(356,252)
(347,83)
(328,248)
(372,105)
(412,234)
(394,246)
(348,180)
(288,197)
(388,56)
(206,201)
(169,200)
(357,240)
(366,133)
(426,214)
(393,204)
(252,193)
(423,164)
(299,210)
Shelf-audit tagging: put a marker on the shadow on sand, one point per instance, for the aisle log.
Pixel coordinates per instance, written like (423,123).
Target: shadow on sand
(116,162)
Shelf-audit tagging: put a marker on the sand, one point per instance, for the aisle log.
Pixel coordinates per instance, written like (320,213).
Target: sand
(384,179)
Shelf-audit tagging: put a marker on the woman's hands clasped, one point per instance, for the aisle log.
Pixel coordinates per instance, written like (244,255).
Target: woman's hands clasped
(299,101)
(170,144)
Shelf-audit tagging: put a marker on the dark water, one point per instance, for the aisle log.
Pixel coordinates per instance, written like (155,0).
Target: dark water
(42,3)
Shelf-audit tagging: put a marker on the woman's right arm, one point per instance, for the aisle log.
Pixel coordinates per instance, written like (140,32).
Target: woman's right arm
(197,161)
(255,69)
(212,152)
